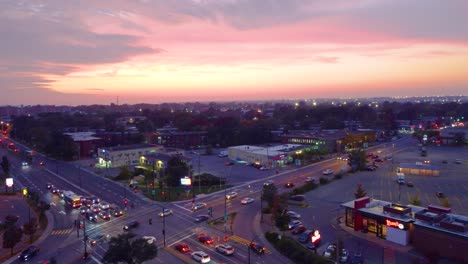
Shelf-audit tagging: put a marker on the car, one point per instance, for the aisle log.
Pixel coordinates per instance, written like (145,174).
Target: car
(229,163)
(247,200)
(105,214)
(409,184)
(344,256)
(131,225)
(268,183)
(310,179)
(165,212)
(201,257)
(49,186)
(444,161)
(198,206)
(205,240)
(329,251)
(24,163)
(357,258)
(95,208)
(298,198)
(231,195)
(427,162)
(293,215)
(263,168)
(55,190)
(327,172)
(104,206)
(182,247)
(41,163)
(116,211)
(60,193)
(289,185)
(225,249)
(294,223)
(84,210)
(150,239)
(378,160)
(440,195)
(201,218)
(91,216)
(305,236)
(28,253)
(94,200)
(401,181)
(299,229)
(371,168)
(458,161)
(257,248)
(98,239)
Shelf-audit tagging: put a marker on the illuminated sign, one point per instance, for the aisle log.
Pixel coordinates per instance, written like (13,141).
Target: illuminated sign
(9,182)
(391,223)
(315,237)
(185,181)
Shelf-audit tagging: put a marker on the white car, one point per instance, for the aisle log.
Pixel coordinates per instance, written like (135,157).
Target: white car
(231,195)
(165,212)
(198,206)
(268,183)
(226,249)
(247,200)
(104,206)
(310,179)
(327,172)
(293,214)
(150,239)
(328,253)
(201,257)
(24,163)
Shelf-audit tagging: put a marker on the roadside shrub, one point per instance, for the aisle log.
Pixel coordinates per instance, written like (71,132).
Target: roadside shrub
(282,222)
(323,181)
(338,176)
(307,187)
(266,210)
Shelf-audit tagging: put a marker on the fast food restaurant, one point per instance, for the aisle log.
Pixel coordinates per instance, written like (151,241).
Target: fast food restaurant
(414,225)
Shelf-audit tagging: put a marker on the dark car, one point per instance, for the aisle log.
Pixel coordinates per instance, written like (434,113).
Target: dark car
(289,185)
(299,229)
(29,253)
(91,216)
(205,240)
(257,248)
(49,186)
(357,258)
(116,211)
(131,225)
(55,190)
(201,218)
(182,247)
(98,239)
(409,184)
(42,163)
(305,236)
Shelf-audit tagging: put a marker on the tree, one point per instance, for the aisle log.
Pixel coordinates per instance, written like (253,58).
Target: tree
(124,248)
(269,193)
(360,192)
(176,169)
(30,228)
(124,174)
(415,200)
(11,237)
(5,165)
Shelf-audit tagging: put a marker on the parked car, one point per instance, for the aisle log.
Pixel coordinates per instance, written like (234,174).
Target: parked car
(371,168)
(344,256)
(289,185)
(329,251)
(409,184)
(231,195)
(247,200)
(357,258)
(150,239)
(205,240)
(327,172)
(310,179)
(304,237)
(198,206)
(293,215)
(28,253)
(131,225)
(201,218)
(225,249)
(458,161)
(299,229)
(182,247)
(294,223)
(165,212)
(201,257)
(268,183)
(257,248)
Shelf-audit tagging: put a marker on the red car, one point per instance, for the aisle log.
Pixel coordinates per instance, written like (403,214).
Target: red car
(205,240)
(182,247)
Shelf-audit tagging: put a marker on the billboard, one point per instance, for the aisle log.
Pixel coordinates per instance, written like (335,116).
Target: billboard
(186,181)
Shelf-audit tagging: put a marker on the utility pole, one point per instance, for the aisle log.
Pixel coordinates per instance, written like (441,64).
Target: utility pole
(85,239)
(164,227)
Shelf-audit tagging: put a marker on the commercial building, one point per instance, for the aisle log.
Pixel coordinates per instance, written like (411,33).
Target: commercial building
(128,155)
(86,142)
(433,230)
(183,140)
(330,140)
(419,169)
(270,156)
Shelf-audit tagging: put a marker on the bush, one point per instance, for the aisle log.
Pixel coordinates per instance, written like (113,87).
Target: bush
(266,210)
(338,176)
(307,187)
(282,222)
(323,181)
(290,248)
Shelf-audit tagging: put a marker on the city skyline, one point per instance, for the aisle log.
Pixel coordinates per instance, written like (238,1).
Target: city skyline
(63,52)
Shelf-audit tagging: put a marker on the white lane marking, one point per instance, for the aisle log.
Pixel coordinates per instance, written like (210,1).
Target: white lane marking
(177,241)
(181,207)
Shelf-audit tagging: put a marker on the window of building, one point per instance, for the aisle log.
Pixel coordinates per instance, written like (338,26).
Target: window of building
(350,217)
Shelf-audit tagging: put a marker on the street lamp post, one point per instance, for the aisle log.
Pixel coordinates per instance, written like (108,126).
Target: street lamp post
(261,206)
(85,239)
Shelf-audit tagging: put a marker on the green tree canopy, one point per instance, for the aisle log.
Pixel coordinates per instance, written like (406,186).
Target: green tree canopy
(360,192)
(270,191)
(11,237)
(176,169)
(125,248)
(5,165)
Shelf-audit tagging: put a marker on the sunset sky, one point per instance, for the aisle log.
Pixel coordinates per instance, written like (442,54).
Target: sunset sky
(151,51)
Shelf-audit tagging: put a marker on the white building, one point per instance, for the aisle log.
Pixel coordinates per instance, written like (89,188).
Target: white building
(269,156)
(115,157)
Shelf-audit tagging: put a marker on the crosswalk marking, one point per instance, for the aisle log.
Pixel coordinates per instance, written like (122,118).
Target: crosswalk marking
(244,241)
(61,232)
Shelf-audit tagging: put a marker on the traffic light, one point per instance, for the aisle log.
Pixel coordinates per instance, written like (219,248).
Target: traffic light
(125,202)
(210,211)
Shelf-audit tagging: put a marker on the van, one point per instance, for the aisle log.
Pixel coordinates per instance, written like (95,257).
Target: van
(400,178)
